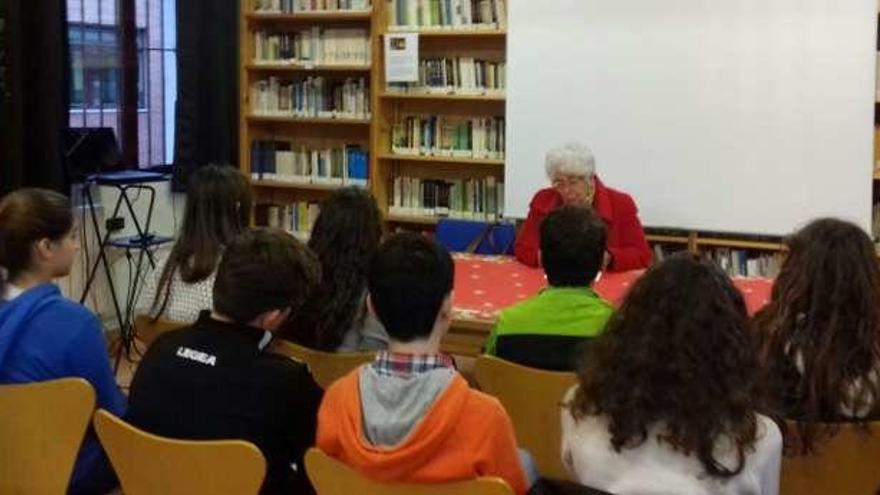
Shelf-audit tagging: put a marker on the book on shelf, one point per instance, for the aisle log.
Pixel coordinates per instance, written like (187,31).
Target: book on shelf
(457,75)
(406,15)
(284,161)
(313,46)
(316,97)
(448,136)
(743,263)
(297,6)
(296,218)
(471,199)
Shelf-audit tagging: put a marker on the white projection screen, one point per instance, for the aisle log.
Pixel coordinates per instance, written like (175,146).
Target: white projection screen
(735,116)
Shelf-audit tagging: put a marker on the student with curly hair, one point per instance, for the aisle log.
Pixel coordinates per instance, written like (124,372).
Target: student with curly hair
(668,397)
(820,333)
(345,237)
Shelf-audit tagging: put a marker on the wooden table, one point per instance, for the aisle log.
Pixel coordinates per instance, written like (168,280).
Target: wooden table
(485,285)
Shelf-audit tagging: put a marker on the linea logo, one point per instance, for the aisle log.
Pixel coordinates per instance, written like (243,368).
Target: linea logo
(197,356)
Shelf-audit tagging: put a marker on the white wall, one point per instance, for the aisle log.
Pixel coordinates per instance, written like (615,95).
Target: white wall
(741,115)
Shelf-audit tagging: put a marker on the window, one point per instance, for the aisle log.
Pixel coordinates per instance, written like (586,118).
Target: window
(96,48)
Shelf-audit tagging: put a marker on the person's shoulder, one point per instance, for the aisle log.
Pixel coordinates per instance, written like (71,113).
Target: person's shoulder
(545,200)
(621,201)
(769,436)
(484,406)
(520,312)
(73,314)
(282,366)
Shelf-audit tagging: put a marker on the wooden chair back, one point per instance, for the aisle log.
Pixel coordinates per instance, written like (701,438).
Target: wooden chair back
(149,329)
(532,398)
(847,462)
(331,477)
(148,464)
(42,426)
(326,367)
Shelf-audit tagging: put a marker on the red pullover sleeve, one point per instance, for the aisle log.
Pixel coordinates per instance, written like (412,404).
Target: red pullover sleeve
(630,250)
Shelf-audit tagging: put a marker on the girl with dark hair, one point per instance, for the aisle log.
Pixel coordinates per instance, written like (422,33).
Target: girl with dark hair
(820,333)
(44,336)
(218,206)
(668,396)
(345,237)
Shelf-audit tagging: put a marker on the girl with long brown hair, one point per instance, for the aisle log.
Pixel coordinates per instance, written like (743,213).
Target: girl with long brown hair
(218,206)
(668,397)
(820,334)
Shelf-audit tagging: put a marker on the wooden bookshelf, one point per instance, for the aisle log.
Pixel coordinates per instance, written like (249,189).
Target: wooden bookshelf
(306,120)
(316,17)
(439,96)
(389,106)
(443,159)
(279,184)
(311,131)
(280,67)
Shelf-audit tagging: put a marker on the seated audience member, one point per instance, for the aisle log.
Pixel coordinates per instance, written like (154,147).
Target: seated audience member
(215,379)
(667,398)
(345,237)
(218,204)
(44,336)
(546,330)
(409,416)
(820,333)
(572,172)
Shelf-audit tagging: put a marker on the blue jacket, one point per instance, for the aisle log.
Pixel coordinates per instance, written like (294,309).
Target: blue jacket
(44,336)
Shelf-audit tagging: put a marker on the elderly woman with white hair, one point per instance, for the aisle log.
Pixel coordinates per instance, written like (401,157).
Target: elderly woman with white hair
(571,170)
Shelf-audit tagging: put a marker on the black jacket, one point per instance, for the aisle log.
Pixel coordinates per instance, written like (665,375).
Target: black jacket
(214,381)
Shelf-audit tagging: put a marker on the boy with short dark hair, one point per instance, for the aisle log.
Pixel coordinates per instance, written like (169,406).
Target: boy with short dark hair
(409,416)
(546,330)
(215,380)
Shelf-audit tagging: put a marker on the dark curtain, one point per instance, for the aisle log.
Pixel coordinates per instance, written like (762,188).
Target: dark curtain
(207,86)
(35,92)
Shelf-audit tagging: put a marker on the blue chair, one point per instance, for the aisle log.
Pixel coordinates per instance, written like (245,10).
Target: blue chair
(469,236)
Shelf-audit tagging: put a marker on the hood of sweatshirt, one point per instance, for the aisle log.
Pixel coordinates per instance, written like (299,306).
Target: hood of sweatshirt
(15,314)
(399,424)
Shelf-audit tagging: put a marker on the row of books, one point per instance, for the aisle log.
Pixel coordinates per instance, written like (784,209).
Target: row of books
(283,161)
(476,199)
(735,262)
(294,6)
(312,97)
(459,75)
(449,136)
(448,14)
(296,218)
(313,46)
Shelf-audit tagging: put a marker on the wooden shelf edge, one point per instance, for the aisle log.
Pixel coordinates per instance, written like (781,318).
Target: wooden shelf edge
(741,244)
(412,219)
(391,95)
(462,33)
(306,68)
(278,184)
(877,175)
(307,120)
(668,239)
(321,15)
(441,159)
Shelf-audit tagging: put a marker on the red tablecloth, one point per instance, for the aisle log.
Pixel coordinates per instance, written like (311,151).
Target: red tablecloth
(485,285)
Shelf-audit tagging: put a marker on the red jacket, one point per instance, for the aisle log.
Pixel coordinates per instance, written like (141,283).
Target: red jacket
(626,239)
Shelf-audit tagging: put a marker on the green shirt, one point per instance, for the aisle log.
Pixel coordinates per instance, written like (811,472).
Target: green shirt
(555,311)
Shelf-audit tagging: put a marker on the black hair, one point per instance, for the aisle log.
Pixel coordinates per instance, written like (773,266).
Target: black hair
(572,246)
(410,276)
(345,237)
(263,270)
(218,205)
(27,216)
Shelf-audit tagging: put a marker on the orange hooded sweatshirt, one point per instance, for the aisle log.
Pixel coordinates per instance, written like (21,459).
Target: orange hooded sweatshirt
(463,435)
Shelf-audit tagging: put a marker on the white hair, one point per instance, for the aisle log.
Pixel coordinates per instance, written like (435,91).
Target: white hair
(570,159)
